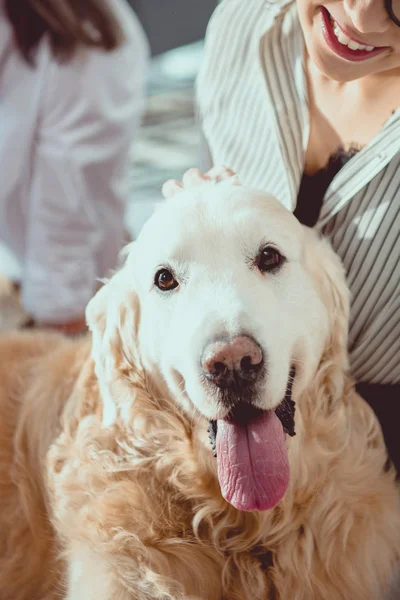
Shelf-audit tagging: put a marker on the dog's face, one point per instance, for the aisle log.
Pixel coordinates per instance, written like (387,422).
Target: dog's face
(218,265)
(227,307)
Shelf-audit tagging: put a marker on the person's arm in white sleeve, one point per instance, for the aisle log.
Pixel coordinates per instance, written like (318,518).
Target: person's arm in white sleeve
(81,176)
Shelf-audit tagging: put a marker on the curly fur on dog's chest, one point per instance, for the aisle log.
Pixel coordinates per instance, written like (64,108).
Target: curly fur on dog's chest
(143,498)
(145,493)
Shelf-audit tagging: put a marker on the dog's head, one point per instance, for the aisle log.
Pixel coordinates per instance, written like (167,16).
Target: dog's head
(223,298)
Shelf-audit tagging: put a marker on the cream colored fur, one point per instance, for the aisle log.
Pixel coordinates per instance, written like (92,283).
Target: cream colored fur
(108,487)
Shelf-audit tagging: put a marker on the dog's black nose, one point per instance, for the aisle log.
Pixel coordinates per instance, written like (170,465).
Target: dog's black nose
(230,362)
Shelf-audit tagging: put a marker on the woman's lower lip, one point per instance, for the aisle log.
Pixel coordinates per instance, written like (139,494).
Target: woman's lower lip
(340,49)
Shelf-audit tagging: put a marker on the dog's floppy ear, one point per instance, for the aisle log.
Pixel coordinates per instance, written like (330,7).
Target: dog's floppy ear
(112,317)
(329,275)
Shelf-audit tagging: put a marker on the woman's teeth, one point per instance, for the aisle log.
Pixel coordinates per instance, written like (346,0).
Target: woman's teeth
(343,39)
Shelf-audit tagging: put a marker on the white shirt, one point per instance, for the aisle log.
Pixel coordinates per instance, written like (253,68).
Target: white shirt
(253,106)
(66,132)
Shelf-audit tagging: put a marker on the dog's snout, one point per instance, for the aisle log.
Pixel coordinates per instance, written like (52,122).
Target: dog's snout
(225,362)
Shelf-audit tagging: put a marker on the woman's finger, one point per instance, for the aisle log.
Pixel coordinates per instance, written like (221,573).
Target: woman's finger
(193,177)
(171,187)
(219,173)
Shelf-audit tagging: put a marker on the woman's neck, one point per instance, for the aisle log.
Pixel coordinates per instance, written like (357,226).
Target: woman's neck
(376,85)
(345,114)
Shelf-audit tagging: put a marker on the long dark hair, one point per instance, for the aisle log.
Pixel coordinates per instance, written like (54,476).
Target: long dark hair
(68,24)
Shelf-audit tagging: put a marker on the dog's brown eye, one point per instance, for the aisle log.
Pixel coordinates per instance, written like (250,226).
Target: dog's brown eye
(165,281)
(269,259)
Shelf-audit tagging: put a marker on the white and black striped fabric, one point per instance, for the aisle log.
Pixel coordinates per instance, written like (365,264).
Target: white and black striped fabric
(252,104)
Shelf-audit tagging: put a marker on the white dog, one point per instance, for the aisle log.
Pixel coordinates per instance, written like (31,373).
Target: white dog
(221,280)
(226,315)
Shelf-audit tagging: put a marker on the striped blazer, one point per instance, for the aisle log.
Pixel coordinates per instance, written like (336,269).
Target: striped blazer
(252,104)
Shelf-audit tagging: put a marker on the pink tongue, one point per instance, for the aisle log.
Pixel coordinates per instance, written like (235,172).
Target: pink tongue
(253,468)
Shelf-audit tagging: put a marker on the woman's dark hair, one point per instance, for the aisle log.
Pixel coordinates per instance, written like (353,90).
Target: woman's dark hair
(69,24)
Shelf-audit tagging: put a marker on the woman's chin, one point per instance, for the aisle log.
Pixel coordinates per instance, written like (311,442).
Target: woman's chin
(333,67)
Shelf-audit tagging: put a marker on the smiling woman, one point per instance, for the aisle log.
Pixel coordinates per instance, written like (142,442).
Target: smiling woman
(336,30)
(301,99)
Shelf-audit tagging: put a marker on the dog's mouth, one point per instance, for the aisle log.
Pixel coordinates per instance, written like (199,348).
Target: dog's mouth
(243,413)
(249,445)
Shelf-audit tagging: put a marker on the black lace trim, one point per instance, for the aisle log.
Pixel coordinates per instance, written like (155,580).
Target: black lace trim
(313,187)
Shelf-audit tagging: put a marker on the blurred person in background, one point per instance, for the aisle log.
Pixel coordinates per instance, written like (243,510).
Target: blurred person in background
(72,89)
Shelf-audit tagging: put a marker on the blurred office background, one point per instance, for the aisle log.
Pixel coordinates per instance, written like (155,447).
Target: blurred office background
(168,143)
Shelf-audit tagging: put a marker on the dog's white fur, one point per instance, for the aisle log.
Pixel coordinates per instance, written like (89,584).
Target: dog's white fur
(107,437)
(221,293)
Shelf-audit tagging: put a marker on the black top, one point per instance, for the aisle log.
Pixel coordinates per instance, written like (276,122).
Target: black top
(313,187)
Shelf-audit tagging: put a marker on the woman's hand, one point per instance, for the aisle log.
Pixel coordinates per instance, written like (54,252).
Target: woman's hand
(195,177)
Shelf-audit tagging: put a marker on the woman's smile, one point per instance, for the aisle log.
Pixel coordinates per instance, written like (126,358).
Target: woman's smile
(343,43)
(350,39)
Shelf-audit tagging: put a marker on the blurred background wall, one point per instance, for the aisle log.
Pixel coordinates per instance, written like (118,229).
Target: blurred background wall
(173,23)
